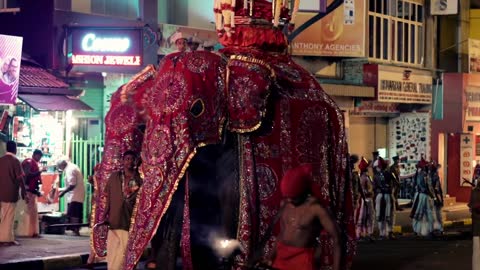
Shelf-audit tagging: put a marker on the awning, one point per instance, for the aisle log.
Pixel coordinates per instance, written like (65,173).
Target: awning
(31,76)
(348,90)
(54,102)
(49,91)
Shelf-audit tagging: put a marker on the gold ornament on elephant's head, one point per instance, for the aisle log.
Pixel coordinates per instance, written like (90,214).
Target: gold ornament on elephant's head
(229,13)
(259,24)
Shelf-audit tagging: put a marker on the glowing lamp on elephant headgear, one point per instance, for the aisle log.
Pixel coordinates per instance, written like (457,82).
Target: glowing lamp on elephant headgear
(297,181)
(253,23)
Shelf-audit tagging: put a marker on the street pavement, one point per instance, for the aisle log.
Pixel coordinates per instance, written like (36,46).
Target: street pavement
(51,252)
(409,253)
(47,252)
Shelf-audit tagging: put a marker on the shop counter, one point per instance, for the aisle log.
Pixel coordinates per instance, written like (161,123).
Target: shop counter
(50,183)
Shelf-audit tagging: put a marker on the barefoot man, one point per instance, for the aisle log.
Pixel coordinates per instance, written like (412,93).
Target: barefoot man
(301,222)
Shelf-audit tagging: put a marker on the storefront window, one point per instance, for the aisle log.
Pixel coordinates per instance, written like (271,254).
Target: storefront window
(116,8)
(9,4)
(42,131)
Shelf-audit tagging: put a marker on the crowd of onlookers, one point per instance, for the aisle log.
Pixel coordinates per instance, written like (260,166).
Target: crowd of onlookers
(377,187)
(22,180)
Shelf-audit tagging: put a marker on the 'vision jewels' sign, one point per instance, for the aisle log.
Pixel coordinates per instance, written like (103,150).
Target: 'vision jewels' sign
(105,46)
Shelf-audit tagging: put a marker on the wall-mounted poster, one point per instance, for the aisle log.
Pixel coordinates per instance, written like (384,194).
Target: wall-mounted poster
(409,136)
(10,58)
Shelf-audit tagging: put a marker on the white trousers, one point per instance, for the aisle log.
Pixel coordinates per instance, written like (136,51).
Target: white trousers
(385,222)
(476,253)
(116,247)
(7,216)
(28,220)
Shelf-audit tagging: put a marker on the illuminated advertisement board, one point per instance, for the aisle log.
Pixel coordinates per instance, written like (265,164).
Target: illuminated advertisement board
(105,46)
(339,34)
(10,58)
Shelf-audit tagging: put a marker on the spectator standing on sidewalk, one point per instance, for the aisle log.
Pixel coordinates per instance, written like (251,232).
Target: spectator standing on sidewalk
(121,192)
(28,224)
(356,189)
(474,206)
(438,196)
(384,203)
(366,214)
(11,181)
(75,192)
(422,214)
(395,170)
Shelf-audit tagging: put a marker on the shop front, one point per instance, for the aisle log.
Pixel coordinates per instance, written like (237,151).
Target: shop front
(40,119)
(100,59)
(398,121)
(457,135)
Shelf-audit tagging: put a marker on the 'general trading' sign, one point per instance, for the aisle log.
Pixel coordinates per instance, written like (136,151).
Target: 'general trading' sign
(399,85)
(106,46)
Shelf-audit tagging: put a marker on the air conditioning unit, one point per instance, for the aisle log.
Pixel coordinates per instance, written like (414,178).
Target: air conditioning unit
(444,7)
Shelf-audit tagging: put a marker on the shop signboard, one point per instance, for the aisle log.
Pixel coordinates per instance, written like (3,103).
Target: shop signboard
(105,46)
(399,85)
(472,94)
(313,6)
(373,106)
(341,33)
(444,7)
(10,58)
(466,157)
(474,55)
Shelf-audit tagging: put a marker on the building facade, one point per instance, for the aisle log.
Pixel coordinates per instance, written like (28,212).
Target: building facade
(455,135)
(376,66)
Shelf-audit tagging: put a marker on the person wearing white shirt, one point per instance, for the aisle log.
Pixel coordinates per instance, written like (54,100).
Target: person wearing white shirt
(75,192)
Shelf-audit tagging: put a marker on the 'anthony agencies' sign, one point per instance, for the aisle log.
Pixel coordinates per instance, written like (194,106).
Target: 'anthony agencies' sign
(399,85)
(105,46)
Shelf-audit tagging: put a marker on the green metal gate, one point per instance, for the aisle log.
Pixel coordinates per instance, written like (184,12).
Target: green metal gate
(85,153)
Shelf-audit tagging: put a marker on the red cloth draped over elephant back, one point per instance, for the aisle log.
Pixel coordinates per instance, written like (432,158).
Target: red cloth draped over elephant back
(185,109)
(122,133)
(280,114)
(307,127)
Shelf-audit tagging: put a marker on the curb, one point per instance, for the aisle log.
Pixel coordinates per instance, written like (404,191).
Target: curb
(48,263)
(59,262)
(446,225)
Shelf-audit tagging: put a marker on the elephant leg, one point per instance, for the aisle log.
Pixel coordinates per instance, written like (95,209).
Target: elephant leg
(227,170)
(165,243)
(204,207)
(214,199)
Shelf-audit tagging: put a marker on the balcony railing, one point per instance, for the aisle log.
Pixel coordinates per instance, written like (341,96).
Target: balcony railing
(9,6)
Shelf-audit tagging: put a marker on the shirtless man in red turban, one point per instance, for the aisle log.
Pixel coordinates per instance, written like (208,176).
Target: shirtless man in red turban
(301,221)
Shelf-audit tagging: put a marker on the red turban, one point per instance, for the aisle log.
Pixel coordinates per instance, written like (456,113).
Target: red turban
(422,163)
(297,181)
(363,165)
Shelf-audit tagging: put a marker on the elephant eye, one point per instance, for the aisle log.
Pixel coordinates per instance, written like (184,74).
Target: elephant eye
(197,108)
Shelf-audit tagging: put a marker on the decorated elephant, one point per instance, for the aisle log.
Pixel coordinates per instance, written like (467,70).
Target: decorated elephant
(229,124)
